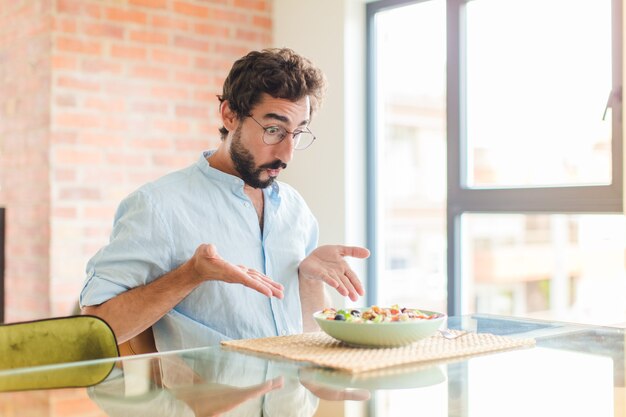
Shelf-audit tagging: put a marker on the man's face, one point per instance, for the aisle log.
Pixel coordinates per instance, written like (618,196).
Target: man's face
(257,163)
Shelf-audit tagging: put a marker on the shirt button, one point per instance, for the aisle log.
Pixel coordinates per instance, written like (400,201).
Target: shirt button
(284,332)
(246,204)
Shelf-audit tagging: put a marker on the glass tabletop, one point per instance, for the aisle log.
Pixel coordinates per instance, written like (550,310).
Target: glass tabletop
(574,370)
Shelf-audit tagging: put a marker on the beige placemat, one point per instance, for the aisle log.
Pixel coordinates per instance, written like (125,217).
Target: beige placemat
(321,349)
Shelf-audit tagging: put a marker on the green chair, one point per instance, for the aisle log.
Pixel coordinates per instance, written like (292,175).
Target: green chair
(51,353)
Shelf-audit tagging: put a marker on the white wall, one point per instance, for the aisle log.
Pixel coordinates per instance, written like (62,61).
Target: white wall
(330,174)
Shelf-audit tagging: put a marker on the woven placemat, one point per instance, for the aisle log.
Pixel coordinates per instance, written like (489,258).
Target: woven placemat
(321,349)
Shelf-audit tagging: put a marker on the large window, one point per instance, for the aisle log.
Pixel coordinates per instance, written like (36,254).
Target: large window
(495,157)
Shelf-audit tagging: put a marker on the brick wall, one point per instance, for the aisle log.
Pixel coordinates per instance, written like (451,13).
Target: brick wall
(24,141)
(120,92)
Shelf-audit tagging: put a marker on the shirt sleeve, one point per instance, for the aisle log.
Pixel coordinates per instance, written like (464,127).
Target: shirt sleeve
(138,252)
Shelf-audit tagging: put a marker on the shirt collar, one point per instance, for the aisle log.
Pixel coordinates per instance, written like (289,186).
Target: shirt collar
(272,192)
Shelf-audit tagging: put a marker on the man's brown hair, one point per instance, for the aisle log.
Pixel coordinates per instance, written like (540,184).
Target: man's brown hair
(281,73)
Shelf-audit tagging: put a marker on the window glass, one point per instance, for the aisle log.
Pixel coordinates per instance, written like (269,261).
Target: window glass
(538,80)
(564,267)
(411,155)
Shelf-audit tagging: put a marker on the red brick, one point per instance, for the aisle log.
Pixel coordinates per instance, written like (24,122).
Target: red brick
(206,97)
(207,128)
(212,30)
(100,140)
(65,100)
(67,25)
(153,144)
(79,8)
(129,52)
(171,161)
(253,36)
(232,50)
(191,43)
(170,93)
(190,9)
(155,4)
(40,25)
(64,175)
(64,212)
(79,193)
(191,144)
(104,30)
(69,6)
(150,107)
(78,83)
(138,177)
(109,105)
(116,124)
(98,212)
(149,72)
(100,66)
(64,62)
(258,5)
(69,156)
(78,120)
(219,65)
(77,45)
(166,22)
(198,112)
(171,126)
(57,137)
(127,87)
(107,176)
(126,16)
(171,58)
(149,37)
(262,22)
(124,159)
(100,232)
(225,15)
(192,78)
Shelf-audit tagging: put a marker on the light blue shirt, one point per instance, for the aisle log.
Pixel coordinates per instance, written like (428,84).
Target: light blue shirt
(158,227)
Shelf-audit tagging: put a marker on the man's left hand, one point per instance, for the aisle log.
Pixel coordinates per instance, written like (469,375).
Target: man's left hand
(327,264)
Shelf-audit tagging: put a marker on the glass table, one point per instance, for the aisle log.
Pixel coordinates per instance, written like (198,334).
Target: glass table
(574,370)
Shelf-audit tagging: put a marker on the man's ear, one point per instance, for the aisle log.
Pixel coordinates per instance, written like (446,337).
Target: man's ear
(229,117)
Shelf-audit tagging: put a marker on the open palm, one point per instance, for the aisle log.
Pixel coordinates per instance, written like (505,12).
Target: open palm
(327,263)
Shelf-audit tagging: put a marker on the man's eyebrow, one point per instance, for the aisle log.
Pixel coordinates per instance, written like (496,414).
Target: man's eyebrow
(283,119)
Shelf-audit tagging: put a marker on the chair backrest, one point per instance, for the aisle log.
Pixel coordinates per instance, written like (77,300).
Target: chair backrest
(55,341)
(140,344)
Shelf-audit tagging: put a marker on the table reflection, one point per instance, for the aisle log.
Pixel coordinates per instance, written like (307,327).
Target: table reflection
(214,382)
(202,385)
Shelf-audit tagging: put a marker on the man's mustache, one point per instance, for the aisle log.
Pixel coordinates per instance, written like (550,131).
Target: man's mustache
(274,165)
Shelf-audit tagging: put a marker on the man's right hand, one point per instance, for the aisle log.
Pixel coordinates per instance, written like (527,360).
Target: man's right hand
(208,265)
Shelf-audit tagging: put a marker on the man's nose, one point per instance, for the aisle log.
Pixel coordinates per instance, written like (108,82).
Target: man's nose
(284,150)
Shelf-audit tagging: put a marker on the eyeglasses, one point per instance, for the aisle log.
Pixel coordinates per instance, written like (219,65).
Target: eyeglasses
(273,135)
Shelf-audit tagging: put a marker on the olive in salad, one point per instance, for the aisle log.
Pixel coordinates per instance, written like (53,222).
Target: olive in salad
(376,314)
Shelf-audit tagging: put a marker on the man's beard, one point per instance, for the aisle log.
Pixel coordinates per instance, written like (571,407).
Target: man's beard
(244,164)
